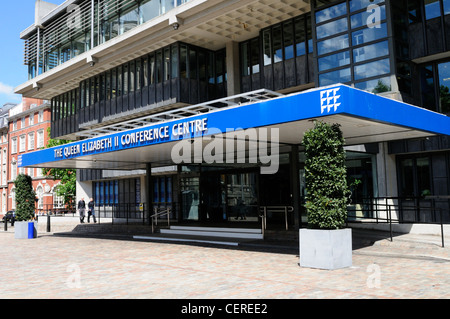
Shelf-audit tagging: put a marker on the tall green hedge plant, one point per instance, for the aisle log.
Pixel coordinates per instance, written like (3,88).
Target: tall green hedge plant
(326,177)
(25,198)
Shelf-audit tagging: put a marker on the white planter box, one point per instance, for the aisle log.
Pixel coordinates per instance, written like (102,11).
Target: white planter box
(325,249)
(25,230)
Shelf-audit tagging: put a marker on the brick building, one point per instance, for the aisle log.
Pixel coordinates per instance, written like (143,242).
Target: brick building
(28,124)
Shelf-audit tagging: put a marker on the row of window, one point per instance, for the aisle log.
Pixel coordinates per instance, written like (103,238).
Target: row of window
(64,41)
(430,9)
(107,193)
(21,141)
(31,117)
(352,45)
(436,87)
(58,201)
(280,42)
(172,62)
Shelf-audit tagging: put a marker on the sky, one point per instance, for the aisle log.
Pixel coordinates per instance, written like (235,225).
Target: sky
(16,16)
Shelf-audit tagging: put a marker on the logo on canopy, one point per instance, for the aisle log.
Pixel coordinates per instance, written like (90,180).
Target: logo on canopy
(329,100)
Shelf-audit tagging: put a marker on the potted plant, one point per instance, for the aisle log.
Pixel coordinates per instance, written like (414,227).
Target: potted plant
(325,243)
(24,227)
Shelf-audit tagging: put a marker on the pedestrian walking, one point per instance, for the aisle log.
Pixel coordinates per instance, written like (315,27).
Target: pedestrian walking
(82,209)
(91,210)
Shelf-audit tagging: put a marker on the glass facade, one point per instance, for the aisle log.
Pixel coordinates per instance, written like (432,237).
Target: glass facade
(179,72)
(71,34)
(352,44)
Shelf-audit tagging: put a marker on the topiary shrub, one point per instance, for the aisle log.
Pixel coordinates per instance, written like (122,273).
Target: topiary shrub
(326,177)
(25,197)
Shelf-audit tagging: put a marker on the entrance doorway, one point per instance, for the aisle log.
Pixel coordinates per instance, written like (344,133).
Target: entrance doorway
(221,197)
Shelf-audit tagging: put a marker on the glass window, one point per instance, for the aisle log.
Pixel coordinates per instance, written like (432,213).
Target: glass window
(145,71)
(245,62)
(432,9)
(362,4)
(366,17)
(64,53)
(192,64)
(108,84)
(79,45)
(372,69)
(159,66)
(174,62)
(148,10)
(375,86)
(128,20)
(414,11)
(288,33)
(423,176)
(339,76)
(152,69)
(371,51)
(183,61)
(138,74)
(369,34)
(114,26)
(166,64)
(254,47)
(125,79)
(267,51)
(331,12)
(446,6)
(300,36)
(334,44)
(167,5)
(277,44)
(113,83)
(444,87)
(407,177)
(334,61)
(132,71)
(330,28)
(309,34)
(119,81)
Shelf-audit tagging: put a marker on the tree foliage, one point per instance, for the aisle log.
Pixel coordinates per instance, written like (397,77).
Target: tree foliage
(326,177)
(25,198)
(67,187)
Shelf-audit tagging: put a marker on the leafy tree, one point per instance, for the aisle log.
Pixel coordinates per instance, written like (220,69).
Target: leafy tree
(67,187)
(326,177)
(25,198)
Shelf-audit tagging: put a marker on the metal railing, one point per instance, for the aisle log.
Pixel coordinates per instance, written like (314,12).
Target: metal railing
(396,210)
(158,213)
(275,209)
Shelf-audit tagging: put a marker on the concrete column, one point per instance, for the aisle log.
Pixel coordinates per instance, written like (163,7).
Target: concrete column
(387,179)
(84,190)
(232,64)
(149,192)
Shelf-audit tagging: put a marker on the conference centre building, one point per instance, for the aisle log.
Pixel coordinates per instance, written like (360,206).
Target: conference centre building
(197,108)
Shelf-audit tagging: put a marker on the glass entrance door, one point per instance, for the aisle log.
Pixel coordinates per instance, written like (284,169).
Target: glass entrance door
(242,197)
(190,193)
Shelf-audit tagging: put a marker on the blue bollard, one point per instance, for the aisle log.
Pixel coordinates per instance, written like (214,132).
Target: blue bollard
(30,230)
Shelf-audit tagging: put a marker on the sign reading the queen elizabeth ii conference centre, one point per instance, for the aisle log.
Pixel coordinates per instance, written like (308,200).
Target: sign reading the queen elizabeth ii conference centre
(132,139)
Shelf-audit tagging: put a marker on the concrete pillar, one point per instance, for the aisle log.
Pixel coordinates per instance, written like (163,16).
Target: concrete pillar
(387,179)
(232,64)
(84,190)
(149,192)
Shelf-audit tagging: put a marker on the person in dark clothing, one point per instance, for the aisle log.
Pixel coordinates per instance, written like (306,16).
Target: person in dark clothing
(82,209)
(91,210)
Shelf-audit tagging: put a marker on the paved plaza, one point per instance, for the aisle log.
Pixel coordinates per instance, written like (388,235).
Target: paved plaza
(71,267)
